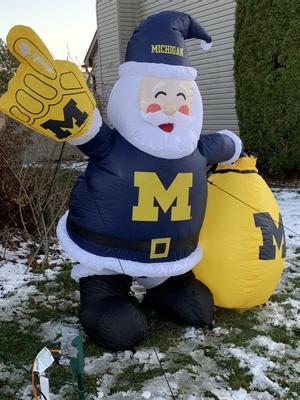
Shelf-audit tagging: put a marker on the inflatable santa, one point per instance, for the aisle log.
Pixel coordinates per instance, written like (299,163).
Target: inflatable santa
(138,209)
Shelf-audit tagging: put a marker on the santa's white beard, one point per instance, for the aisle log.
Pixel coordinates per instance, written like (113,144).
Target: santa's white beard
(177,119)
(139,128)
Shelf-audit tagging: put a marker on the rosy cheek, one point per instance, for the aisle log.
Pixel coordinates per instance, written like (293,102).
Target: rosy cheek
(153,108)
(184,110)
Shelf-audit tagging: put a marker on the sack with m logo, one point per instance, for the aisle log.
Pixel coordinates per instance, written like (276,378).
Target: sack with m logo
(243,247)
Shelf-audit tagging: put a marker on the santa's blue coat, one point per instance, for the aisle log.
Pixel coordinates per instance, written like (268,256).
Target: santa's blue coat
(102,199)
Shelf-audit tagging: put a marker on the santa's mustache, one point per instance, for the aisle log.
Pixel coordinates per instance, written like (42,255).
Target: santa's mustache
(159,117)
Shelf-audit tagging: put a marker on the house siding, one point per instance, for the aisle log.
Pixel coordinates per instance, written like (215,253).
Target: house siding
(117,19)
(215,67)
(108,45)
(128,20)
(96,70)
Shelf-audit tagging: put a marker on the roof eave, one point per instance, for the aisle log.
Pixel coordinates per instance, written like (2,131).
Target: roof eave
(91,51)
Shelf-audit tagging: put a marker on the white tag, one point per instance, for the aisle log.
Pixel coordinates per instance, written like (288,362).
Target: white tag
(44,387)
(43,360)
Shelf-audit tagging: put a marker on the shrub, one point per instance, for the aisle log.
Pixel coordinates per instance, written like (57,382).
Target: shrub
(267,75)
(8,66)
(30,199)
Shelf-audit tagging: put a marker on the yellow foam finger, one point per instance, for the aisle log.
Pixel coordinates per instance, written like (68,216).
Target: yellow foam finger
(70,120)
(29,103)
(50,96)
(12,109)
(69,81)
(17,114)
(28,48)
(40,87)
(14,100)
(72,79)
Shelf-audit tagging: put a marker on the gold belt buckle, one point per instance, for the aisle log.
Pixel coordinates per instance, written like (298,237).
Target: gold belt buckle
(155,242)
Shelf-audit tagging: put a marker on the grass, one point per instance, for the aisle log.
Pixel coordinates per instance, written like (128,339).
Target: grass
(281,335)
(164,334)
(238,322)
(125,381)
(179,361)
(57,301)
(18,345)
(238,377)
(210,395)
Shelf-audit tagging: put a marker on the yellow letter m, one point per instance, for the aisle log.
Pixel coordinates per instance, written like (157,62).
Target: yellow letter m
(151,188)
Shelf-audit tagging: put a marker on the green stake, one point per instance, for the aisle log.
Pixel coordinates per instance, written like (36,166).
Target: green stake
(77,367)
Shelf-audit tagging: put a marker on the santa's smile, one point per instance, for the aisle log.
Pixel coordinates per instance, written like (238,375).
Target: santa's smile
(166,127)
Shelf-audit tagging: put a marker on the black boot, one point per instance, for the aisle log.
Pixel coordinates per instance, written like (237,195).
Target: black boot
(108,314)
(182,298)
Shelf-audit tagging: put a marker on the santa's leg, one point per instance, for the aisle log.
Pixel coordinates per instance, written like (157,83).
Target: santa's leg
(182,298)
(109,315)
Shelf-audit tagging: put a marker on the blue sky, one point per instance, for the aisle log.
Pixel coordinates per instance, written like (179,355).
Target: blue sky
(61,24)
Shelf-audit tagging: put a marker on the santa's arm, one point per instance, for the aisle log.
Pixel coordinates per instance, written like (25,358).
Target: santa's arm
(97,142)
(223,147)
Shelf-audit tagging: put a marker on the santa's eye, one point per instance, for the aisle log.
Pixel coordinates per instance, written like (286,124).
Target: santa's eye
(181,94)
(160,92)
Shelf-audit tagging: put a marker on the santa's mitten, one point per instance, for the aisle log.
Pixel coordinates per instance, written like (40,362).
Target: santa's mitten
(109,315)
(238,145)
(182,298)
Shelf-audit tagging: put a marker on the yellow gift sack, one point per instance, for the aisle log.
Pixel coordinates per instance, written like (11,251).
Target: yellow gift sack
(242,237)
(49,96)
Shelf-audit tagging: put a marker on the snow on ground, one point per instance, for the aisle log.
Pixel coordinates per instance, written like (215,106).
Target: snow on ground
(16,281)
(259,362)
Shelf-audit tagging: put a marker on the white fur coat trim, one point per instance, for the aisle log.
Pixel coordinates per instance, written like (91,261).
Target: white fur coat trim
(238,146)
(133,68)
(92,131)
(91,264)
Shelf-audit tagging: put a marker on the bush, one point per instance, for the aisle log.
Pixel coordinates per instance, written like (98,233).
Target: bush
(30,199)
(8,66)
(267,76)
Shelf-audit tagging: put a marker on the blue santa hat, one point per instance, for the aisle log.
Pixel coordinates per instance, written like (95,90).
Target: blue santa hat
(157,46)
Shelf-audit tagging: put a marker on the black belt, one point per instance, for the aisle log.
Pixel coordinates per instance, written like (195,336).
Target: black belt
(157,247)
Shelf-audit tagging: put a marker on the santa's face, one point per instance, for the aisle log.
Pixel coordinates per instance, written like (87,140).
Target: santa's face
(166,103)
(160,116)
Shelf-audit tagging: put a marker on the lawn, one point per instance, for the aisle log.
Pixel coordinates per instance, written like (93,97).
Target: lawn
(251,354)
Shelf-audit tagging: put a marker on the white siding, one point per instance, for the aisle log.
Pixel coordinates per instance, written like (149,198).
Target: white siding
(96,70)
(108,45)
(117,19)
(215,67)
(128,20)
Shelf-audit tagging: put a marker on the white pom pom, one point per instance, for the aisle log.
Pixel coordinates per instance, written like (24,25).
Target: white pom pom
(205,46)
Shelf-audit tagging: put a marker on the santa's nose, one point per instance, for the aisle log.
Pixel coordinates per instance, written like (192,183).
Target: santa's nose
(169,109)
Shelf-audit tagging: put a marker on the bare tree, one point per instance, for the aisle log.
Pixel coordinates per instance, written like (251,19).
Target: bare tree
(8,66)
